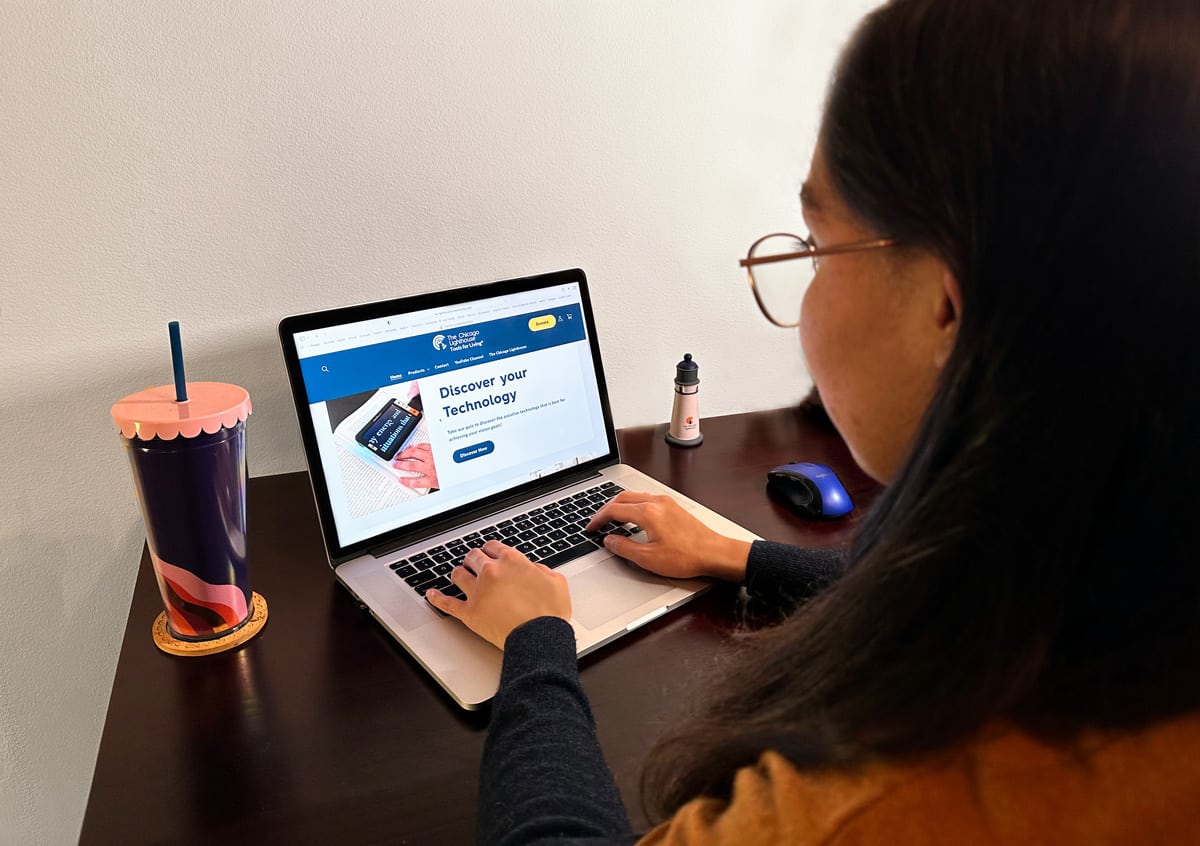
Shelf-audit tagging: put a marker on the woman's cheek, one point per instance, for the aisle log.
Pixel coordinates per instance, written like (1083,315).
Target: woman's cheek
(810,332)
(819,339)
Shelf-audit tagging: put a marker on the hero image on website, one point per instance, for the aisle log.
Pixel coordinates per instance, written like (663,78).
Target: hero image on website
(411,423)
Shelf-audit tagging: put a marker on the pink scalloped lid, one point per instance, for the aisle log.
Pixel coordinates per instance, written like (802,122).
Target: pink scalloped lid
(155,413)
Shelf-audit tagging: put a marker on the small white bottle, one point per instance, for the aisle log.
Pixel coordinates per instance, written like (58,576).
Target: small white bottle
(684,430)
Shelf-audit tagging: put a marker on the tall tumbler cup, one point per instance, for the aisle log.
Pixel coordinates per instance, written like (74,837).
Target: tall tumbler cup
(189,468)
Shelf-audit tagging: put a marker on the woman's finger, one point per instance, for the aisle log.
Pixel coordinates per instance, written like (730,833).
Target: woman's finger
(445,604)
(474,560)
(493,549)
(617,512)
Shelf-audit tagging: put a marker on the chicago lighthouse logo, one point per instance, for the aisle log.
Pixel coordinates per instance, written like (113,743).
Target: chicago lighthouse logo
(458,341)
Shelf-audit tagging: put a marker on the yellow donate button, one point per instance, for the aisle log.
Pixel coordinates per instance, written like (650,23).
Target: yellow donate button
(546,321)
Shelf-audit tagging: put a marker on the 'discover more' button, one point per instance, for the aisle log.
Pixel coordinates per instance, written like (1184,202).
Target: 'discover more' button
(473,451)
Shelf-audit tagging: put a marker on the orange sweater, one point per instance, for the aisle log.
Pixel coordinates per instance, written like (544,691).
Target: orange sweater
(1141,788)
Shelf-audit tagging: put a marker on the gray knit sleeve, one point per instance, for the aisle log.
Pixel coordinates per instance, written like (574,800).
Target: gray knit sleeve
(780,576)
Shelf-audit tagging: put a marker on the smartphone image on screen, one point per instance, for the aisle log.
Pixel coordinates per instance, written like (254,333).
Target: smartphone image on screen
(389,429)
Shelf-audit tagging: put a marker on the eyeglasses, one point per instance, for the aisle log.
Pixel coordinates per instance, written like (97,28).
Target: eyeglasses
(779,289)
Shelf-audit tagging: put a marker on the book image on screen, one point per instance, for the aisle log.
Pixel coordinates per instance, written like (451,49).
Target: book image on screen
(370,477)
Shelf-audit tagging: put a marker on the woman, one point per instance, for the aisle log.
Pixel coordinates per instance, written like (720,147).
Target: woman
(1011,654)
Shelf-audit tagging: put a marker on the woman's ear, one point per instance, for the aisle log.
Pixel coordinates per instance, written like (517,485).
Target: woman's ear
(948,314)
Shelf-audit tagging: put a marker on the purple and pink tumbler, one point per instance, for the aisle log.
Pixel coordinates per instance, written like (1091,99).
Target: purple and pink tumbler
(186,447)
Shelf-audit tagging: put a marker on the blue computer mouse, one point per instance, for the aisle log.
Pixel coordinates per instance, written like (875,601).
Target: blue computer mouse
(811,490)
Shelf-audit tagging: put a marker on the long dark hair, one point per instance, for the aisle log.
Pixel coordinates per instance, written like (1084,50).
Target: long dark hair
(1034,563)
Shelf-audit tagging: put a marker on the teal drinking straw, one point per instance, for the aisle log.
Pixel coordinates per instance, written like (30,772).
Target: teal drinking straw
(177,362)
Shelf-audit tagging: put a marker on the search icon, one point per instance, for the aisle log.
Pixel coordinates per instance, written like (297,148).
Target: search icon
(324,368)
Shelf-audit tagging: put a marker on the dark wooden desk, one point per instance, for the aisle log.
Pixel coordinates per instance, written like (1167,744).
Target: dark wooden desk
(322,730)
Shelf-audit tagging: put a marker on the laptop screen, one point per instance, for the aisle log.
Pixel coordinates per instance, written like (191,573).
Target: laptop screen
(416,410)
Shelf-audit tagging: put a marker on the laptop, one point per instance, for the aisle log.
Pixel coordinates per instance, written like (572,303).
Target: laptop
(434,422)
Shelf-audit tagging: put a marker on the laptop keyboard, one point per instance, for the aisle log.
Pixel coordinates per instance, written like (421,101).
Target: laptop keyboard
(552,535)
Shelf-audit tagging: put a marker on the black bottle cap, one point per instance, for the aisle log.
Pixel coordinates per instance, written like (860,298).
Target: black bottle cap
(687,372)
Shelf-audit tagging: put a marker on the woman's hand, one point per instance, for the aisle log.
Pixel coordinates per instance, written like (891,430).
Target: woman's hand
(417,459)
(677,544)
(504,589)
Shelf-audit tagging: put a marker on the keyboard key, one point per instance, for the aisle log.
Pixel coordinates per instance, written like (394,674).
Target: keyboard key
(526,547)
(459,551)
(566,555)
(406,571)
(418,579)
(424,565)
(443,569)
(556,534)
(441,583)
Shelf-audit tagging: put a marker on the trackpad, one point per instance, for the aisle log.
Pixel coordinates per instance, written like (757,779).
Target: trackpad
(609,589)
(401,601)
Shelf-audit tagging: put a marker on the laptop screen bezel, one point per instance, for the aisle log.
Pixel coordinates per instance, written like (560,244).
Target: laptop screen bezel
(290,326)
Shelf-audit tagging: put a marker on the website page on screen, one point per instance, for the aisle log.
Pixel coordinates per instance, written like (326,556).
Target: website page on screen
(420,413)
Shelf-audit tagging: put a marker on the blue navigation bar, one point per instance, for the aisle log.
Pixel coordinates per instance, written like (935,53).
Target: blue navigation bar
(368,368)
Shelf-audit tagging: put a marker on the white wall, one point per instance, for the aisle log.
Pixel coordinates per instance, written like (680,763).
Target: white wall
(226,163)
